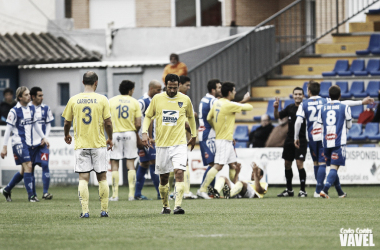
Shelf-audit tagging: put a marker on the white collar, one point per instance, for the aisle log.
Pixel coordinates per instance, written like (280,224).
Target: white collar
(210,96)
(315,97)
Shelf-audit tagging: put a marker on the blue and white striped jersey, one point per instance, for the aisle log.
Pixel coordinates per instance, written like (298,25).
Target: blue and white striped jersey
(22,120)
(144,103)
(44,116)
(205,130)
(333,116)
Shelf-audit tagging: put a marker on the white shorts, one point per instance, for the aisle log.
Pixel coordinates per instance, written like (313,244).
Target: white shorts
(87,160)
(250,192)
(170,158)
(124,146)
(225,152)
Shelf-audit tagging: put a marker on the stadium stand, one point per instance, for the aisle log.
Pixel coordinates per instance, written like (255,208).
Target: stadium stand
(373,47)
(355,133)
(340,66)
(369,145)
(304,87)
(324,92)
(356,111)
(241,144)
(352,145)
(357,65)
(373,88)
(343,89)
(373,68)
(374,11)
(270,110)
(372,131)
(357,89)
(241,133)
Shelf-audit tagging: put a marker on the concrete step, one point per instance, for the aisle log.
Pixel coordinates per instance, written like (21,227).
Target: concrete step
(325,60)
(289,82)
(351,38)
(272,91)
(364,27)
(248,115)
(372,18)
(339,48)
(306,69)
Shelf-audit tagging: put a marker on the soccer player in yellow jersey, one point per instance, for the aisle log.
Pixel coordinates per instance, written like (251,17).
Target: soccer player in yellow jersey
(126,120)
(253,188)
(222,118)
(90,114)
(170,109)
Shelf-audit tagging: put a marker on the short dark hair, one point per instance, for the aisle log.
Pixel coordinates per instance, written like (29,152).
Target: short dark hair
(89,78)
(33,91)
(334,92)
(174,55)
(8,90)
(314,87)
(227,87)
(184,79)
(172,78)
(298,88)
(212,84)
(126,86)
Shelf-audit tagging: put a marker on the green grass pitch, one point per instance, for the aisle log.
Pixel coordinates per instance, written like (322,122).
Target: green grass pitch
(269,223)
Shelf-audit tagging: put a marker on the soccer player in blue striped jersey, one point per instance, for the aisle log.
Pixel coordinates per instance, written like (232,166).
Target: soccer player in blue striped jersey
(20,122)
(206,134)
(309,110)
(335,118)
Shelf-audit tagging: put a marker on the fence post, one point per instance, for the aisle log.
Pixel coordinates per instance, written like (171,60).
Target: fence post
(337,15)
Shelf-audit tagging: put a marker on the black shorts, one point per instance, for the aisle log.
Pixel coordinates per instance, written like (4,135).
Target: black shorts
(291,152)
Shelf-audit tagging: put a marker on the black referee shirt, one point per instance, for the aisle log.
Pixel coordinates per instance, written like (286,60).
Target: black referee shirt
(290,111)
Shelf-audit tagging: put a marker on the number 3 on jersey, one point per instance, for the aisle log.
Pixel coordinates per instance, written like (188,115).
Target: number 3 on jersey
(87,111)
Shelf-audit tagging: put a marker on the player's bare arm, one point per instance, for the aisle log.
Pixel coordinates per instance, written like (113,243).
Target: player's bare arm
(368,100)
(191,142)
(109,131)
(246,98)
(237,169)
(256,174)
(187,127)
(152,141)
(275,106)
(66,128)
(4,152)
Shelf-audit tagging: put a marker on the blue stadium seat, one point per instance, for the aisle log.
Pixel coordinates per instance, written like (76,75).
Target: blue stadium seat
(324,92)
(373,88)
(357,89)
(355,133)
(270,110)
(241,144)
(369,145)
(241,133)
(254,127)
(356,66)
(374,45)
(373,68)
(356,111)
(374,11)
(372,131)
(304,87)
(344,89)
(352,145)
(340,65)
(287,102)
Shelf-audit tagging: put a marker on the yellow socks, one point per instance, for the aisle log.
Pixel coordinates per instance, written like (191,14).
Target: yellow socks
(186,179)
(164,191)
(179,190)
(115,184)
(83,195)
(236,189)
(171,180)
(232,174)
(103,195)
(219,184)
(132,182)
(209,177)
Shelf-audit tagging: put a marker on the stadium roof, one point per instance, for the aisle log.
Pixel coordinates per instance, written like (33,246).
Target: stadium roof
(105,64)
(33,48)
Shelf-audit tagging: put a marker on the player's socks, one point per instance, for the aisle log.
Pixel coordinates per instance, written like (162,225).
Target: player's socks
(45,177)
(171,180)
(330,180)
(34,183)
(289,177)
(179,189)
(302,174)
(115,183)
(164,192)
(28,181)
(236,189)
(338,188)
(140,179)
(83,195)
(15,180)
(219,184)
(132,182)
(232,174)
(316,171)
(204,177)
(209,177)
(321,175)
(104,192)
(186,180)
(155,178)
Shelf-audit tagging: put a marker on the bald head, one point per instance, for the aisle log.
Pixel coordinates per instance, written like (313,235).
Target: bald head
(264,120)
(154,88)
(154,83)
(89,78)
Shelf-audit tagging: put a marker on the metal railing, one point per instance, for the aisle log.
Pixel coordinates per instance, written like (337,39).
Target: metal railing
(281,38)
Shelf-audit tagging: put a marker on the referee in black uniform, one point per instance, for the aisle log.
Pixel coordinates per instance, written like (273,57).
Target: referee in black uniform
(290,151)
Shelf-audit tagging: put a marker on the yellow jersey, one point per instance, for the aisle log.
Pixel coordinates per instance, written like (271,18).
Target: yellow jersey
(170,114)
(264,185)
(88,112)
(124,110)
(222,117)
